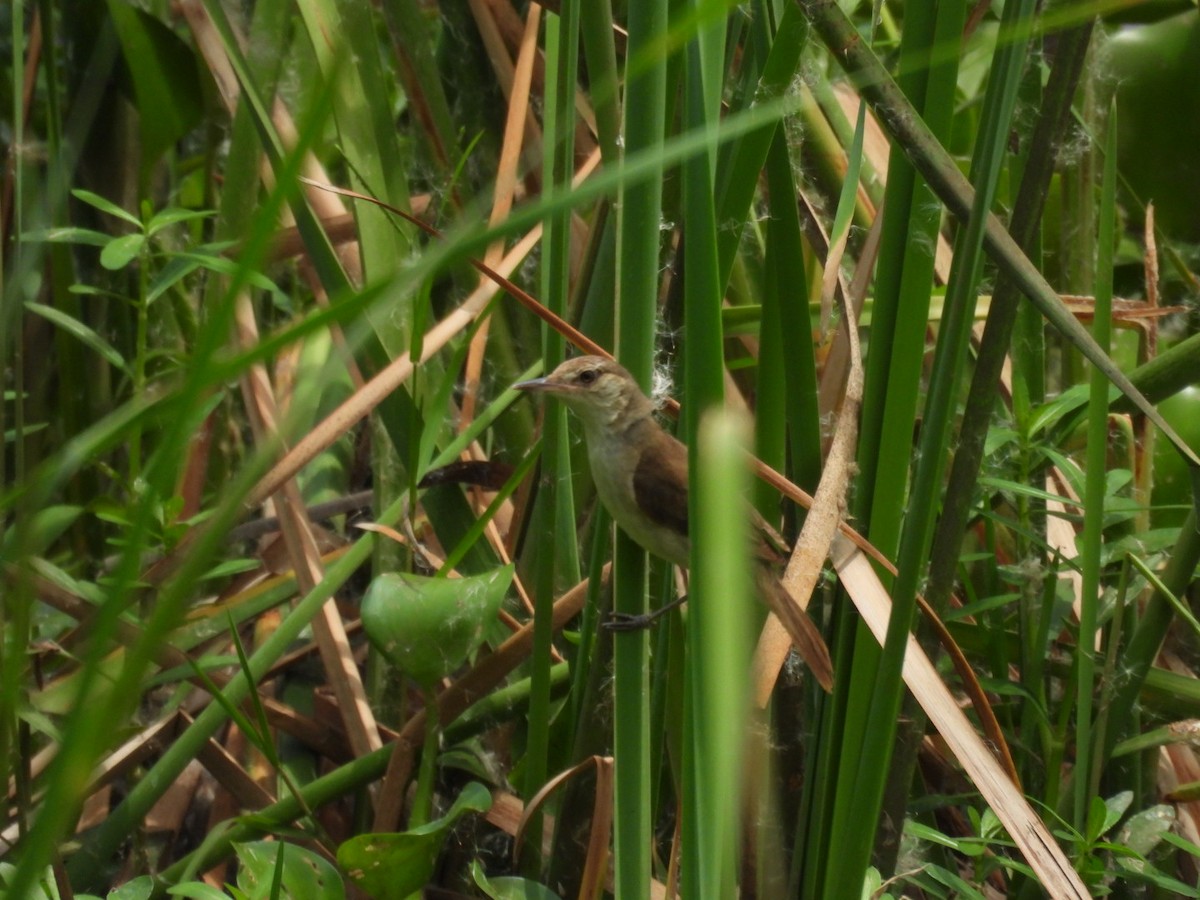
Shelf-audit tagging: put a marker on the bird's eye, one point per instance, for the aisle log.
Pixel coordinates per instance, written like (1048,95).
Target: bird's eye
(587,376)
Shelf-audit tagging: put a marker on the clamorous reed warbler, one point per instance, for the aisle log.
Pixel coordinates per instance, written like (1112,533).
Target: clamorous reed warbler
(641,475)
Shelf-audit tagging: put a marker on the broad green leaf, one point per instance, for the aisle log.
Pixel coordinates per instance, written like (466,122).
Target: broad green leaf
(164,78)
(393,866)
(136,889)
(426,627)
(1146,828)
(305,874)
(121,251)
(181,265)
(1104,814)
(509,887)
(176,269)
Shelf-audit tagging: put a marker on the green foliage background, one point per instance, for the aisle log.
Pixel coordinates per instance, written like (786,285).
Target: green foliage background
(197,336)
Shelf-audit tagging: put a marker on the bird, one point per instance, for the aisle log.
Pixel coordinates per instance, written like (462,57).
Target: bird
(641,476)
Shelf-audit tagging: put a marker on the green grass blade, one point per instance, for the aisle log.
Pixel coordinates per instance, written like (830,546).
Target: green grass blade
(1086,778)
(638,242)
(720,650)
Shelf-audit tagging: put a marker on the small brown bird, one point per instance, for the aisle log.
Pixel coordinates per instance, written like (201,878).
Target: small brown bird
(641,475)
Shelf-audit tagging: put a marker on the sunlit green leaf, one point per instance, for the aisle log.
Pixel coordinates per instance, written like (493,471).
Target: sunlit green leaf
(121,251)
(428,626)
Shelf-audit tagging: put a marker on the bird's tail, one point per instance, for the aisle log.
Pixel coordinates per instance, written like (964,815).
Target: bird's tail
(805,636)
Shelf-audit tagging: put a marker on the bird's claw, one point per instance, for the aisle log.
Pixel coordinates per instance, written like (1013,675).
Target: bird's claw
(621,621)
(618,621)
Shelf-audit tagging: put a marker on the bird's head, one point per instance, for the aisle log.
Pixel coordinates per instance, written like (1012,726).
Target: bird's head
(601,392)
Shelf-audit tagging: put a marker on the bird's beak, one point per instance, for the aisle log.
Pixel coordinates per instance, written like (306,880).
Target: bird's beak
(536,384)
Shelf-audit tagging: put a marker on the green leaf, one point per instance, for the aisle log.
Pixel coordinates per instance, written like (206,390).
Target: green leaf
(1181,842)
(950,880)
(305,874)
(426,627)
(164,78)
(925,833)
(120,251)
(80,331)
(68,235)
(106,206)
(44,528)
(1142,870)
(177,269)
(172,215)
(139,888)
(183,264)
(1114,808)
(393,866)
(509,887)
(10,434)
(197,890)
(230,567)
(1145,829)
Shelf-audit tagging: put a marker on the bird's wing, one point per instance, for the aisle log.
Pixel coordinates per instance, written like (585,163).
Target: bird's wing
(660,481)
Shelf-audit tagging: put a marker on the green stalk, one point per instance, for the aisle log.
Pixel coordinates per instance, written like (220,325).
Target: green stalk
(741,161)
(557,510)
(1147,638)
(1169,372)
(954,341)
(859,745)
(904,277)
(426,772)
(141,348)
(1095,482)
(705,863)
(720,650)
(785,308)
(638,239)
(596,20)
(15,610)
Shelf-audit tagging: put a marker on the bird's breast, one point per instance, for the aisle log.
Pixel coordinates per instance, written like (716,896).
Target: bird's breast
(614,464)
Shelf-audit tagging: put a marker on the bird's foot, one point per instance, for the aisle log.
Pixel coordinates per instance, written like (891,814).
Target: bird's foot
(619,621)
